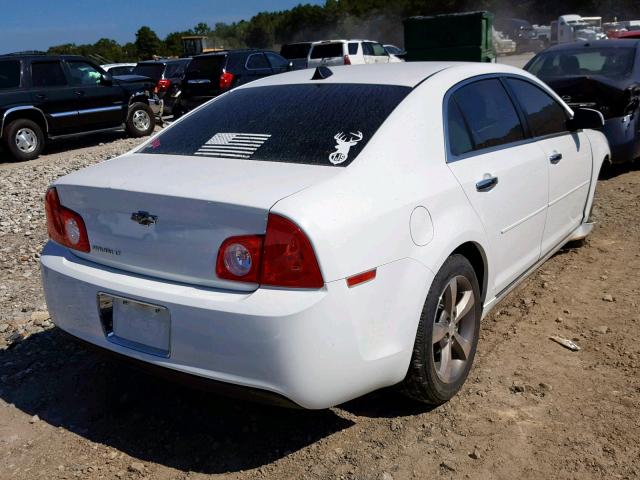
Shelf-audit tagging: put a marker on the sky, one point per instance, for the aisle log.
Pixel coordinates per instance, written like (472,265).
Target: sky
(39,24)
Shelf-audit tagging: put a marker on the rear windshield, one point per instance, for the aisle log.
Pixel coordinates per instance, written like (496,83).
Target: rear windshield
(327,50)
(175,69)
(606,61)
(209,66)
(313,124)
(151,70)
(295,50)
(9,74)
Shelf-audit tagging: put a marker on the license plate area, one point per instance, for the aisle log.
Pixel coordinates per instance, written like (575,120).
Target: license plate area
(140,326)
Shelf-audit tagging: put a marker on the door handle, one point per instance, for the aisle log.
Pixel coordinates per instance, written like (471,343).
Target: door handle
(41,96)
(486,184)
(80,93)
(555,157)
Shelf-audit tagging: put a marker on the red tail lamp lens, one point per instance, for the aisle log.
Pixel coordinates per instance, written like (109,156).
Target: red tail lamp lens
(289,259)
(65,226)
(226,79)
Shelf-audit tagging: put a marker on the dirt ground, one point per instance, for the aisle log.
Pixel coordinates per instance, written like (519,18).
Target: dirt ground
(530,408)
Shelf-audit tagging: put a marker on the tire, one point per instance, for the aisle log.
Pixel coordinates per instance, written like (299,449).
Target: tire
(24,139)
(140,120)
(428,380)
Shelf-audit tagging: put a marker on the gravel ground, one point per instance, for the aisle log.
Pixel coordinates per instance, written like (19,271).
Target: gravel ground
(530,409)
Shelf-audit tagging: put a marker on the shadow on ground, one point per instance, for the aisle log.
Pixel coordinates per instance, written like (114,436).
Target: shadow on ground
(70,144)
(149,418)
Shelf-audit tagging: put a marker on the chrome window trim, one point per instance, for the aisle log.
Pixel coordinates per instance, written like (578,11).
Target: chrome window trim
(24,107)
(451,157)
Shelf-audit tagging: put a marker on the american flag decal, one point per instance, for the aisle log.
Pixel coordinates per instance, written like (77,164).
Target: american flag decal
(233,145)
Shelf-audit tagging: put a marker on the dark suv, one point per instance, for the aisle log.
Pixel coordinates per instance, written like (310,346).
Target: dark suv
(166,74)
(209,75)
(44,97)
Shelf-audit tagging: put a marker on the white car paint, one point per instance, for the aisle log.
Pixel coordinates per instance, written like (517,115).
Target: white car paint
(399,208)
(366,52)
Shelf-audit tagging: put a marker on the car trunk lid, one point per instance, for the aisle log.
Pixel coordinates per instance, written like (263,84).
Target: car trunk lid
(166,215)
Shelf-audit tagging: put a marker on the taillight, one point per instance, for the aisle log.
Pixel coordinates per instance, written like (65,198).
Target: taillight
(163,85)
(282,257)
(239,258)
(347,60)
(65,226)
(225,80)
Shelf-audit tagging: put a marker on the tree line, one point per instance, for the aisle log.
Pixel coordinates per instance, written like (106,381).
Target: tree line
(379,19)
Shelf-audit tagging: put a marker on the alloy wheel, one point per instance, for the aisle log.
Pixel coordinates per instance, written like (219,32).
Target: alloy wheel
(454,329)
(141,120)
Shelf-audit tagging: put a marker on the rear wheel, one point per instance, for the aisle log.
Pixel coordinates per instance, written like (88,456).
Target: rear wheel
(447,334)
(24,139)
(141,121)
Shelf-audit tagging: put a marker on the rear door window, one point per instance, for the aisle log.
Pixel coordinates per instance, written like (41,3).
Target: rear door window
(277,61)
(327,50)
(545,115)
(327,124)
(489,113)
(9,74)
(458,133)
(378,50)
(257,61)
(47,74)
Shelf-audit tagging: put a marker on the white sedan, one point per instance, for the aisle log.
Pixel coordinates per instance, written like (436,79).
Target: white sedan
(314,236)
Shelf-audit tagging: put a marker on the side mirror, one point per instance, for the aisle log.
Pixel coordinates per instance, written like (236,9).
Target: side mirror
(585,118)
(106,79)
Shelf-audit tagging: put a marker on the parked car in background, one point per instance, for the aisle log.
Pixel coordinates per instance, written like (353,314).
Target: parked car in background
(348,52)
(115,69)
(521,32)
(43,97)
(396,51)
(603,75)
(209,75)
(166,74)
(297,53)
(322,237)
(627,34)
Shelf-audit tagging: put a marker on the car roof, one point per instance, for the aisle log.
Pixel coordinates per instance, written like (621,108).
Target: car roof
(230,52)
(612,43)
(408,74)
(35,56)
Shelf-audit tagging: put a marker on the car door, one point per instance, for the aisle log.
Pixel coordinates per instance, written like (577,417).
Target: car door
(100,103)
(503,174)
(568,157)
(52,93)
(367,52)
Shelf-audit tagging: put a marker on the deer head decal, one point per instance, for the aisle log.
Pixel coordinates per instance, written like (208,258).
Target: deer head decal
(343,145)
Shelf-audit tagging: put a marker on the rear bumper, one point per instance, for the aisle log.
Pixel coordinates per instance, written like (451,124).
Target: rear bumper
(316,348)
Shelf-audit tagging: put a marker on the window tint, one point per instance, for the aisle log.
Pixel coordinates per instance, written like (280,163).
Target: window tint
(544,115)
(83,73)
(367,49)
(378,50)
(608,61)
(257,61)
(317,124)
(327,50)
(458,133)
(152,70)
(9,74)
(175,69)
(277,61)
(489,113)
(47,74)
(353,48)
(295,50)
(121,71)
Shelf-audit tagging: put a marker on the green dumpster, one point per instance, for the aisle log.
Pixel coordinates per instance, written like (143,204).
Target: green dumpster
(465,37)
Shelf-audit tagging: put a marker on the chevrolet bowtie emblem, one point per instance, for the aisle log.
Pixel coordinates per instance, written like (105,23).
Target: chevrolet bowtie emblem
(144,218)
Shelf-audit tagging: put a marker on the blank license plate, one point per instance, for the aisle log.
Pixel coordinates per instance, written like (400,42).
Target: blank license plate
(141,326)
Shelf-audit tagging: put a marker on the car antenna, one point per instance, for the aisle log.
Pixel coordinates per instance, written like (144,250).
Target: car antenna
(321,73)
